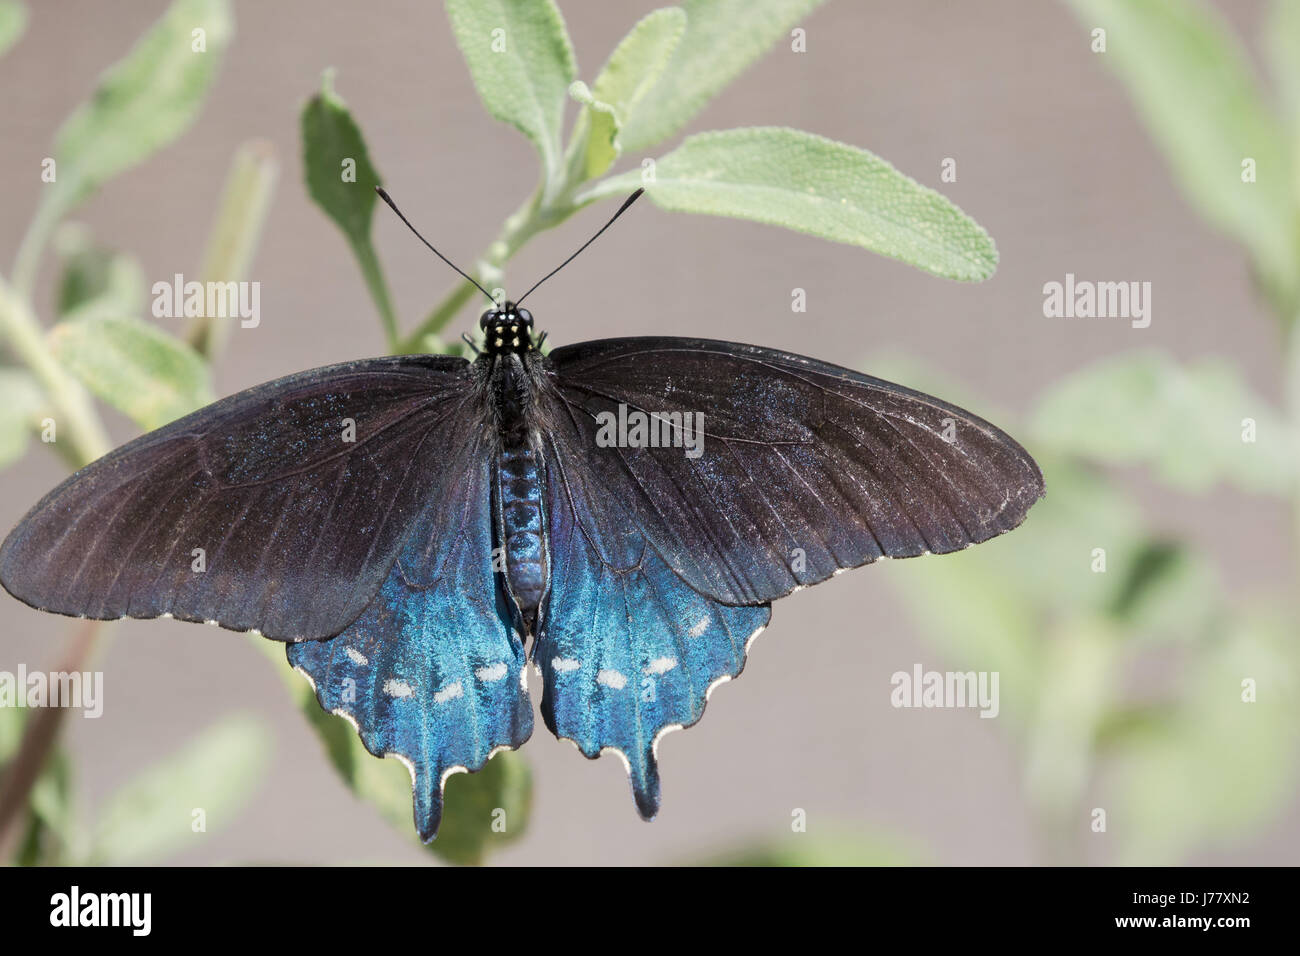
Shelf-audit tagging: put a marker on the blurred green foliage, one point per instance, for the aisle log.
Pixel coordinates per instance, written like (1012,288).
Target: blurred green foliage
(1124,687)
(1179,767)
(99,342)
(839,844)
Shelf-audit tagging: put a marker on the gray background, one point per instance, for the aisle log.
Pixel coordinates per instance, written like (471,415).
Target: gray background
(1051,160)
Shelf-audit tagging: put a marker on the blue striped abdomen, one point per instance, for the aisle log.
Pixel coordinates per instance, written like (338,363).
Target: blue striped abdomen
(520,526)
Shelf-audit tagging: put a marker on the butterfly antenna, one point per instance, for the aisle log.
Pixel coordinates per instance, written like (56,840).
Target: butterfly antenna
(621,209)
(392,205)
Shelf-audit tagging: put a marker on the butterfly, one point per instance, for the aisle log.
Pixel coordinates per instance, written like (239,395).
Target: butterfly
(418,529)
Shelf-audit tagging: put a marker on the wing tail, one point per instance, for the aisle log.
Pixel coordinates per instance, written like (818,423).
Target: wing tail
(432,670)
(628,654)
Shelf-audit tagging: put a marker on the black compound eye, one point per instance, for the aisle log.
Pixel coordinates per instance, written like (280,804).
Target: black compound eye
(526,317)
(486,318)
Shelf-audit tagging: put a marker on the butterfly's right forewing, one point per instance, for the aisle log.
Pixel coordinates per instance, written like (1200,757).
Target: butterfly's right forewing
(802,468)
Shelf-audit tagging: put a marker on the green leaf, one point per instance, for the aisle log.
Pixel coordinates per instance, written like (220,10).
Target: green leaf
(722,38)
(13,21)
(843,848)
(95,277)
(1050,569)
(811,184)
(136,367)
(142,103)
(1282,41)
(1167,592)
(1194,88)
(342,181)
(595,136)
(53,835)
(1186,423)
(631,72)
(52,802)
(977,619)
(486,810)
(522,63)
(640,57)
(153,814)
(470,825)
(11,733)
(1156,589)
(21,400)
(1217,768)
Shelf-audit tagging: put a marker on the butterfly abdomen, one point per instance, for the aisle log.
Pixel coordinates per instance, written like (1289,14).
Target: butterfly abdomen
(521,522)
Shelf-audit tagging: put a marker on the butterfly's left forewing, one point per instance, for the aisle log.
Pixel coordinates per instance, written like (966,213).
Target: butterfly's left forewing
(279,509)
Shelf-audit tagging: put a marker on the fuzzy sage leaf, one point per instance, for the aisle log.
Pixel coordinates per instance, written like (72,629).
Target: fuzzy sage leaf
(20,401)
(522,63)
(13,21)
(486,810)
(786,177)
(1282,40)
(143,102)
(95,277)
(1200,423)
(722,38)
(137,368)
(342,181)
(628,75)
(153,814)
(1196,92)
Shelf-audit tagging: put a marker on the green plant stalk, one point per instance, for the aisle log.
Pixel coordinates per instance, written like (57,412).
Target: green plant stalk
(84,441)
(40,734)
(29,250)
(78,424)
(370,270)
(235,232)
(1291,383)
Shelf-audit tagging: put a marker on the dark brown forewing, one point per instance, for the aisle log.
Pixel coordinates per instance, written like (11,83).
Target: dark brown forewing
(806,467)
(298,526)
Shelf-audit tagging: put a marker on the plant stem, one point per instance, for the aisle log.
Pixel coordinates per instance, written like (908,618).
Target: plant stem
(79,424)
(235,232)
(31,247)
(85,440)
(374,277)
(39,737)
(1291,387)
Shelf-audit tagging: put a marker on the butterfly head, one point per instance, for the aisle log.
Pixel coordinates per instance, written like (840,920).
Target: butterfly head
(507,329)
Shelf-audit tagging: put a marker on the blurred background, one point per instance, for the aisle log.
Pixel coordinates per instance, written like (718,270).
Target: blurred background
(1120,690)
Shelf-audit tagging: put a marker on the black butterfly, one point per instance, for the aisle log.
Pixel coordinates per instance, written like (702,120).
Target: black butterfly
(633,505)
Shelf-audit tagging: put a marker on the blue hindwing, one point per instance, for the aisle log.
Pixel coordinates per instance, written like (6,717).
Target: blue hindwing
(628,653)
(432,670)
